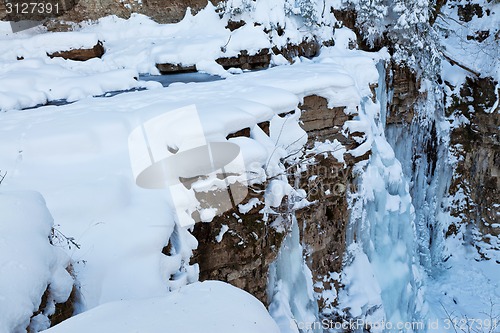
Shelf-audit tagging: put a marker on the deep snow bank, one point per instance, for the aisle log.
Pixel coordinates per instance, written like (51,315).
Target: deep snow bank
(29,264)
(206,307)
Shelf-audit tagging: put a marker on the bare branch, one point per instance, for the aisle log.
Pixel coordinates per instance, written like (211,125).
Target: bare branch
(454,62)
(2,177)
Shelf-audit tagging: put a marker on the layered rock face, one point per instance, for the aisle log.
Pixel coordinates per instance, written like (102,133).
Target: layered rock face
(159,10)
(405,85)
(243,256)
(472,105)
(323,224)
(476,145)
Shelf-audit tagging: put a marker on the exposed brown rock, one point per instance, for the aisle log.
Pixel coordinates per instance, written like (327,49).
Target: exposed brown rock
(61,311)
(65,310)
(405,93)
(168,68)
(264,126)
(233,25)
(243,132)
(323,224)
(468,11)
(321,122)
(477,144)
(308,48)
(80,54)
(159,10)
(346,17)
(89,10)
(3,11)
(261,59)
(244,254)
(170,11)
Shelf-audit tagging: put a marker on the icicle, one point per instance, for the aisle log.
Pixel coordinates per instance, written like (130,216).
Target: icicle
(290,288)
(381,248)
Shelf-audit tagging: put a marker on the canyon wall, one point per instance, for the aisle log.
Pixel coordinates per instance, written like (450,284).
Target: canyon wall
(244,254)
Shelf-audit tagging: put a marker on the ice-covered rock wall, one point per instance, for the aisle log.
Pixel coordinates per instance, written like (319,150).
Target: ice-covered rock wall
(382,274)
(420,143)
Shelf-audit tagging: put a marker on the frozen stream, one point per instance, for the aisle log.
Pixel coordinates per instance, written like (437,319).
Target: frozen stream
(165,80)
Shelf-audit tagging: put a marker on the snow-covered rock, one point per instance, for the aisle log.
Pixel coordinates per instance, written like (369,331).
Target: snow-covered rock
(206,307)
(29,264)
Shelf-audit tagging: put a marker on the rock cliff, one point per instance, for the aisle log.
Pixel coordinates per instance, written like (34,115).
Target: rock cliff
(245,252)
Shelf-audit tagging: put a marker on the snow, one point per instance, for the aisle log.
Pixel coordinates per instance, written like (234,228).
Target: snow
(29,264)
(135,46)
(480,57)
(131,47)
(361,289)
(201,307)
(243,209)
(292,306)
(67,152)
(28,83)
(86,159)
(381,277)
(249,37)
(223,230)
(465,289)
(335,148)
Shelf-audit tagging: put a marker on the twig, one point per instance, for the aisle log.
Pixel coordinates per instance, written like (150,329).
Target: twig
(450,318)
(56,234)
(276,144)
(454,62)
(224,48)
(2,177)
